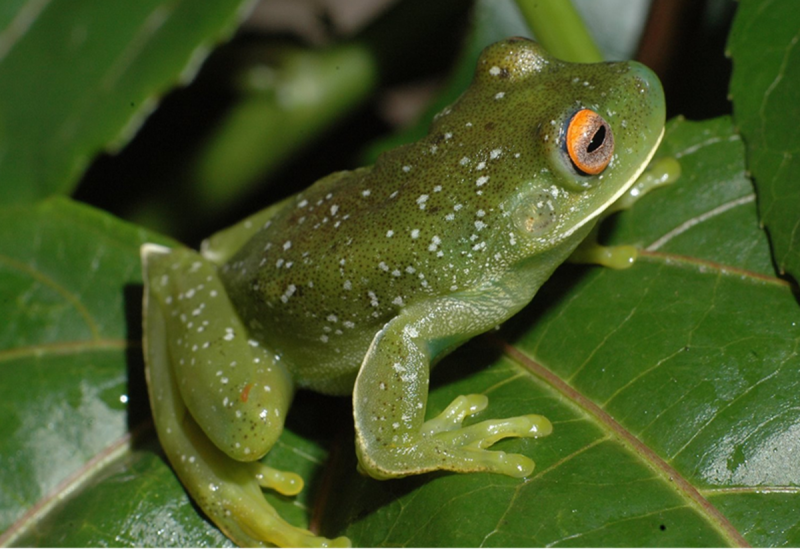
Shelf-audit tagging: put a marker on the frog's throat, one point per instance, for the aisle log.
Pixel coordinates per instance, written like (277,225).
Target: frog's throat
(622,190)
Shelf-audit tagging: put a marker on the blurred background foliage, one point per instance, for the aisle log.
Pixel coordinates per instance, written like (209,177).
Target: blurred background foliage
(211,154)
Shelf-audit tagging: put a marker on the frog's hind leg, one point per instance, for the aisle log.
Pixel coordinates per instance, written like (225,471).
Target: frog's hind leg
(203,371)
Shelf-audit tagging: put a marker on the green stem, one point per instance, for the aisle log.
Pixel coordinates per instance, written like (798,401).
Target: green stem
(284,108)
(560,29)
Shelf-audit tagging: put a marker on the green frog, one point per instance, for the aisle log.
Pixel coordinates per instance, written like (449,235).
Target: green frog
(361,283)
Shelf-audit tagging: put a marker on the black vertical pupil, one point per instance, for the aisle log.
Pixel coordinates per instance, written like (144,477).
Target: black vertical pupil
(597,139)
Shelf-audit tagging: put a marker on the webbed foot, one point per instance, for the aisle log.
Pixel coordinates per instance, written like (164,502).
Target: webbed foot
(444,443)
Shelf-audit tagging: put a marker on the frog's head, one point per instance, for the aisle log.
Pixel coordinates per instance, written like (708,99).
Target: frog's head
(574,136)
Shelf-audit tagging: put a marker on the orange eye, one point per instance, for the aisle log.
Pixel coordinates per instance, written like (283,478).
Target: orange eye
(590,142)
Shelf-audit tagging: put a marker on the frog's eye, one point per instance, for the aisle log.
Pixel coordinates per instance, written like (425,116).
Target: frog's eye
(590,142)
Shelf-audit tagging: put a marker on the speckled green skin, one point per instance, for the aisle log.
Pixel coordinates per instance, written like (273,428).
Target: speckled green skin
(441,217)
(360,283)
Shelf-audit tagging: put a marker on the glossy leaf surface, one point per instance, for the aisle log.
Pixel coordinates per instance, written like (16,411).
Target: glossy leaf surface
(766,61)
(71,379)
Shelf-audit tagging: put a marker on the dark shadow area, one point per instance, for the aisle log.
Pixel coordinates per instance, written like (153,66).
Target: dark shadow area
(684,42)
(138,402)
(550,295)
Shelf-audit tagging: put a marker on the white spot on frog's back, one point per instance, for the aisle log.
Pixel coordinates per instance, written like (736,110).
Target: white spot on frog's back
(290,290)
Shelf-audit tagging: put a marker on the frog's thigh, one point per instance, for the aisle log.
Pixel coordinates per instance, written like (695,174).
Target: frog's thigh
(235,389)
(229,491)
(389,399)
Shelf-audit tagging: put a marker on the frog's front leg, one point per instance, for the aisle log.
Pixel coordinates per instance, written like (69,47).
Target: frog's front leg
(392,437)
(218,399)
(659,173)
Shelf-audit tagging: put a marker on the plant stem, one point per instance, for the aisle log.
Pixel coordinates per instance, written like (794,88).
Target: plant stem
(560,29)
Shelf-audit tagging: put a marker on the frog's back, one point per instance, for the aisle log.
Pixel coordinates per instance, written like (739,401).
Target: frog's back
(345,256)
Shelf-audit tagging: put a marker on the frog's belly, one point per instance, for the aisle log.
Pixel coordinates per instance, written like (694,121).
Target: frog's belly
(321,351)
(327,366)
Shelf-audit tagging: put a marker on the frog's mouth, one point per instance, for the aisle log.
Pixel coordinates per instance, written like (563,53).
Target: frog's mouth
(621,191)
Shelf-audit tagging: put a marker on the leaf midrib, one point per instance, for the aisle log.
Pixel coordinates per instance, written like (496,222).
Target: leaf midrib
(657,464)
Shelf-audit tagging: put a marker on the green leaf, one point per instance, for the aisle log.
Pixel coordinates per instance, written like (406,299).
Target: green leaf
(673,388)
(71,382)
(112,511)
(766,75)
(77,76)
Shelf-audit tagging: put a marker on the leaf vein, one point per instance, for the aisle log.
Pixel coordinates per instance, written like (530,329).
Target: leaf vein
(66,294)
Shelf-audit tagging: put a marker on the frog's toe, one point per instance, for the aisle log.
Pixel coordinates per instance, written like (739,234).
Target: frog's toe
(612,257)
(486,433)
(283,482)
(452,416)
(469,444)
(512,465)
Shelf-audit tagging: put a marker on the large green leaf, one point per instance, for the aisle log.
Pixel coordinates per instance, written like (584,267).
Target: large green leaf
(77,75)
(766,76)
(71,378)
(673,388)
